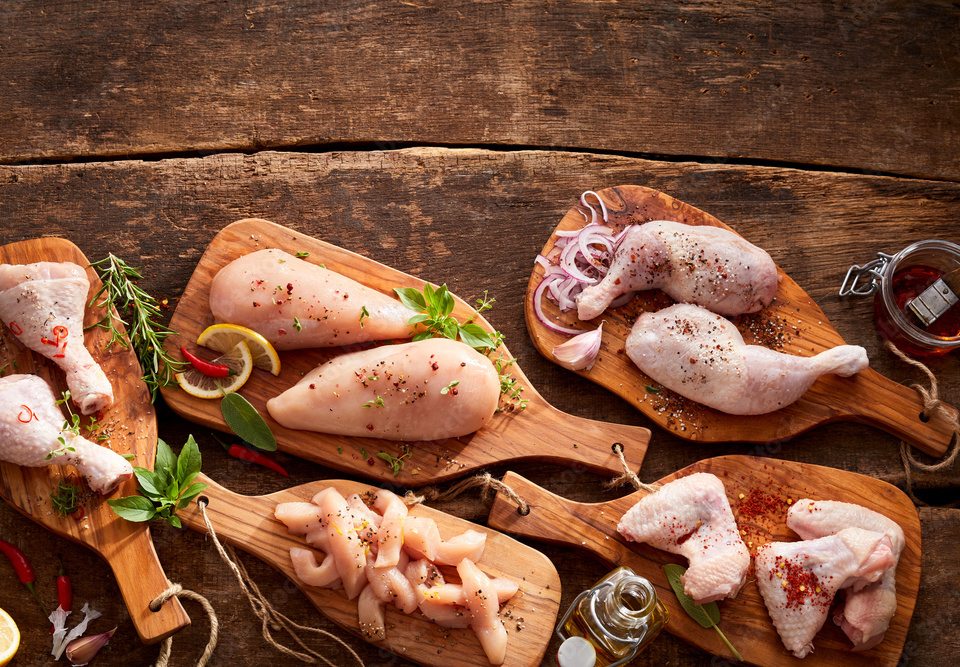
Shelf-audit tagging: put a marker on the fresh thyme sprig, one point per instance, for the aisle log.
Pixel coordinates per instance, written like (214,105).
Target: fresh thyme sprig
(144,328)
(395,463)
(66,499)
(70,425)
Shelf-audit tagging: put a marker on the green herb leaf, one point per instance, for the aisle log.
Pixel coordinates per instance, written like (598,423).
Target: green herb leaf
(152,484)
(247,423)
(133,508)
(166,459)
(411,298)
(302,255)
(192,492)
(651,390)
(707,615)
(188,463)
(475,336)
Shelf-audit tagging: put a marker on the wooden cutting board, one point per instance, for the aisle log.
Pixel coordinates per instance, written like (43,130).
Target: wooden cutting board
(745,622)
(132,428)
(248,523)
(793,319)
(539,432)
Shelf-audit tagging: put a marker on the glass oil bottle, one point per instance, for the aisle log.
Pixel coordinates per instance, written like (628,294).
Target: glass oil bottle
(619,617)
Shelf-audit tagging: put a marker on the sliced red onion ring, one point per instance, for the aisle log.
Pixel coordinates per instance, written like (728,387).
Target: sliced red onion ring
(538,310)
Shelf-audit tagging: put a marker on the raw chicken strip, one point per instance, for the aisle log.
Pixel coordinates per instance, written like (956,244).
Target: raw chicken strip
(324,575)
(691,516)
(299,518)
(371,612)
(390,584)
(390,532)
(397,392)
(469,544)
(484,608)
(709,266)
(35,301)
(345,544)
(866,613)
(702,356)
(798,580)
(271,292)
(31,425)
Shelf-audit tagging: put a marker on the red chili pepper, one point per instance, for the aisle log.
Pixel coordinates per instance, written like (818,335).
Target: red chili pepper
(47,341)
(23,569)
(31,416)
(60,332)
(244,454)
(64,589)
(62,351)
(15,328)
(205,367)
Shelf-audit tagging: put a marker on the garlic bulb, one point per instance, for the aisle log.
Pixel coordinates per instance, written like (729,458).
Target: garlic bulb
(579,352)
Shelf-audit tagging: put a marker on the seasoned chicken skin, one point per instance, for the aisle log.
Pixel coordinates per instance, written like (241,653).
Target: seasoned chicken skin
(43,305)
(296,305)
(30,430)
(866,613)
(709,266)
(691,517)
(426,390)
(702,356)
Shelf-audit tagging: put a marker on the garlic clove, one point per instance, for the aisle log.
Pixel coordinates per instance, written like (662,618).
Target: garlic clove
(81,651)
(581,351)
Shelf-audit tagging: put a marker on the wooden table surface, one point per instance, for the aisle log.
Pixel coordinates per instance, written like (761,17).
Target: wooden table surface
(447,139)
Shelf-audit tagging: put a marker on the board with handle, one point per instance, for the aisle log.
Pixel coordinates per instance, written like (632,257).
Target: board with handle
(538,432)
(131,426)
(248,523)
(793,323)
(744,620)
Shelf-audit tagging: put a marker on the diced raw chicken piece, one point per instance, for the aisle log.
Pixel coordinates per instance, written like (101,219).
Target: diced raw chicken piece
(691,516)
(390,532)
(31,435)
(324,575)
(798,580)
(422,571)
(43,305)
(318,538)
(299,518)
(345,544)
(390,584)
(295,304)
(866,613)
(468,545)
(421,537)
(709,266)
(446,615)
(427,390)
(371,610)
(484,610)
(365,521)
(702,356)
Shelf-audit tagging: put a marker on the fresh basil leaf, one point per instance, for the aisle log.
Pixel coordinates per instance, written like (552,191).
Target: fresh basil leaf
(418,318)
(150,482)
(192,492)
(166,459)
(475,336)
(429,295)
(246,422)
(423,335)
(450,329)
(188,463)
(174,521)
(448,302)
(411,298)
(171,493)
(133,508)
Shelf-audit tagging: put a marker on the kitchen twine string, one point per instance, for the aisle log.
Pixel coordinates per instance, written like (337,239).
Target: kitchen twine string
(487,482)
(628,475)
(931,402)
(176,590)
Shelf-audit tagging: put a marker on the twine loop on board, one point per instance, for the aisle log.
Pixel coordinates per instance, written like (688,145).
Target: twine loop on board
(931,404)
(487,482)
(628,475)
(176,590)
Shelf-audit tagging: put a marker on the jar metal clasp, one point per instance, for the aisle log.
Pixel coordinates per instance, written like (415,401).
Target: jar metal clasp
(865,280)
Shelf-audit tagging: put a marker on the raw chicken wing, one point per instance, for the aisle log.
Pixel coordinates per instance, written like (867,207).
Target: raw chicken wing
(295,304)
(709,266)
(866,613)
(427,390)
(30,430)
(702,356)
(798,580)
(691,517)
(43,305)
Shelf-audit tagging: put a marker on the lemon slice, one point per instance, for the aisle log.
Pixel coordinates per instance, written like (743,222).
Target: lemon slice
(222,337)
(197,384)
(9,638)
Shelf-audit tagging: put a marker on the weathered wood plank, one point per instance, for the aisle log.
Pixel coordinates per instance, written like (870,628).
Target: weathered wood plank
(861,86)
(475,220)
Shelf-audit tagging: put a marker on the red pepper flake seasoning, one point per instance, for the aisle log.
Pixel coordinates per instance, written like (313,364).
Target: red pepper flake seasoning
(760,504)
(369,427)
(15,328)
(800,585)
(29,414)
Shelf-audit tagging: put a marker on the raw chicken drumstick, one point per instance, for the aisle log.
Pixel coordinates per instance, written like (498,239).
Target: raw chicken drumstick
(709,266)
(866,613)
(31,427)
(43,305)
(691,516)
(703,357)
(798,580)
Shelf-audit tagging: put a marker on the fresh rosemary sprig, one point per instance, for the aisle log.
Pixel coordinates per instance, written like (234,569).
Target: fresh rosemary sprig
(144,328)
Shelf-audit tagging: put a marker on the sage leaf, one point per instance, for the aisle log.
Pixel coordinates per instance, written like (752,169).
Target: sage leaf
(133,508)
(244,420)
(707,615)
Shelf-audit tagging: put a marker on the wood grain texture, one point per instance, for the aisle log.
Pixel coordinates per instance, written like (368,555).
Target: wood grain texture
(131,426)
(537,432)
(796,326)
(248,523)
(593,527)
(851,85)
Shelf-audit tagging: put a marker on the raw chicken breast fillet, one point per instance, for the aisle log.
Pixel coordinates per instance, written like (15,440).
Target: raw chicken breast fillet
(30,425)
(866,613)
(43,305)
(709,266)
(691,517)
(798,580)
(397,392)
(702,356)
(295,304)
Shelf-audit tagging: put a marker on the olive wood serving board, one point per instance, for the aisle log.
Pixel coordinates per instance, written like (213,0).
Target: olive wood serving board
(744,619)
(248,523)
(868,397)
(131,426)
(539,432)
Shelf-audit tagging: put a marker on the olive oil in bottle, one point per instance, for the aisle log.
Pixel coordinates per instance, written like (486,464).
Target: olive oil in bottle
(619,616)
